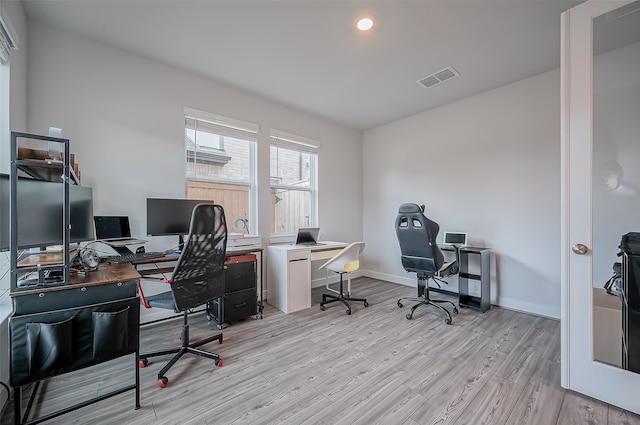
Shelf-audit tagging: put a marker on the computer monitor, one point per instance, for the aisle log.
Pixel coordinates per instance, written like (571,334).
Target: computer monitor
(455,238)
(167,217)
(39,211)
(111,226)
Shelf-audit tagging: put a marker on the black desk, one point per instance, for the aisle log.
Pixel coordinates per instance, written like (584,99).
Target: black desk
(60,329)
(483,302)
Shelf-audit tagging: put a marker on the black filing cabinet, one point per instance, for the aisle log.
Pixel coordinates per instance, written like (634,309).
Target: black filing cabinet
(240,298)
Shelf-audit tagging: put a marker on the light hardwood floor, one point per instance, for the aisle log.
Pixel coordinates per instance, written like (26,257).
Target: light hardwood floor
(375,366)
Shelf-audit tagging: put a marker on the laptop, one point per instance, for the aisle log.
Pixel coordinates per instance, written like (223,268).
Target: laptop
(455,238)
(308,236)
(114,231)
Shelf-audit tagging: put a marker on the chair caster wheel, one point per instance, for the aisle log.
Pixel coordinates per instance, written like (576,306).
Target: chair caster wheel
(162,382)
(349,312)
(409,316)
(322,307)
(447,321)
(399,304)
(219,362)
(455,310)
(366,304)
(142,363)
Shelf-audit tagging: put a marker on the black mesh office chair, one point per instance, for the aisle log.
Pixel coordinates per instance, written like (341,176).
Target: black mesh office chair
(198,278)
(421,254)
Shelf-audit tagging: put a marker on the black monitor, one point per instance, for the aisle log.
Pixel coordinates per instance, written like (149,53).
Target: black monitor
(39,211)
(167,217)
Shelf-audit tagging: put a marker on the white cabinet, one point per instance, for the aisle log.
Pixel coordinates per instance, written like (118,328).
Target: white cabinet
(289,273)
(288,278)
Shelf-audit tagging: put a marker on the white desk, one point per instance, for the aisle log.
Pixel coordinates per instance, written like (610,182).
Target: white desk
(289,273)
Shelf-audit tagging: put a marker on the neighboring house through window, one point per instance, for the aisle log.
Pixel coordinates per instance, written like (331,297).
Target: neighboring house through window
(221,164)
(294,176)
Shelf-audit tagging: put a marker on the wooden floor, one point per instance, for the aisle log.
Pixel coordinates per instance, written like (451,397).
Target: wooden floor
(374,366)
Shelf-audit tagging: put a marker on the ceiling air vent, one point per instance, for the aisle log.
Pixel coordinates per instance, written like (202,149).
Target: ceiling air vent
(438,77)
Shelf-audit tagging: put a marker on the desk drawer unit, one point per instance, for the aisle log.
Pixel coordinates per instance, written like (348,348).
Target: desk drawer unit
(240,299)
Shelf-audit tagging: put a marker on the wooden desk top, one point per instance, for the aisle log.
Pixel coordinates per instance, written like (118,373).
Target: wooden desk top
(106,273)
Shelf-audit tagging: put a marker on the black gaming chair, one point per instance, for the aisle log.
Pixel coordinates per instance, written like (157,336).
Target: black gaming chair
(197,279)
(421,254)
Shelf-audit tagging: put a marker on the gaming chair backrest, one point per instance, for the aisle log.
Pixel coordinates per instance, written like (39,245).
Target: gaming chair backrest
(417,238)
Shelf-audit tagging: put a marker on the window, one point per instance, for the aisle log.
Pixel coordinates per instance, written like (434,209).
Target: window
(221,164)
(294,190)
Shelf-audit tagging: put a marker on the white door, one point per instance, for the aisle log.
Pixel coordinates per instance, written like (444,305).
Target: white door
(600,94)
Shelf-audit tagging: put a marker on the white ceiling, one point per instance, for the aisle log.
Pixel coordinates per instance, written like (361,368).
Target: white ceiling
(308,55)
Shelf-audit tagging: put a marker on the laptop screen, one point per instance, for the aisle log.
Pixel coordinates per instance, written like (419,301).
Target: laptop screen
(455,238)
(108,227)
(307,235)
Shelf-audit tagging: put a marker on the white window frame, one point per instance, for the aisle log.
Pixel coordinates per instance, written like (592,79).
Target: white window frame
(236,128)
(290,141)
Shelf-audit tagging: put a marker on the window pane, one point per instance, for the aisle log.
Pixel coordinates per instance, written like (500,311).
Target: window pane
(292,210)
(213,156)
(290,167)
(233,198)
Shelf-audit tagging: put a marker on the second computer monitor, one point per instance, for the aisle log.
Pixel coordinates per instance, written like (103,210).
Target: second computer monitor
(170,216)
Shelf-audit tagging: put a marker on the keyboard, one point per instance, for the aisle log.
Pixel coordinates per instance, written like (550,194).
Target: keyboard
(134,256)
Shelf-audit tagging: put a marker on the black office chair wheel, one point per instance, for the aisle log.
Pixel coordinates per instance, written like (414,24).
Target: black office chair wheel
(455,310)
(348,312)
(399,304)
(142,363)
(219,362)
(409,316)
(366,304)
(447,321)
(322,307)
(162,382)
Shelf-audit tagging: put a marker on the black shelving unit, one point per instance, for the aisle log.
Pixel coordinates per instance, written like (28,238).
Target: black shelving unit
(631,312)
(57,171)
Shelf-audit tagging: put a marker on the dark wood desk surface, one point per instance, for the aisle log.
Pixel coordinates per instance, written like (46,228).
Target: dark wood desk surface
(106,273)
(169,258)
(35,260)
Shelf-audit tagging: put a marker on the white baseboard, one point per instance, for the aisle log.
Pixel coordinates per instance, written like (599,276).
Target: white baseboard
(511,304)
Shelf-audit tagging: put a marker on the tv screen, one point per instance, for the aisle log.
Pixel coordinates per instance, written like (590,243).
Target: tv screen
(39,211)
(170,216)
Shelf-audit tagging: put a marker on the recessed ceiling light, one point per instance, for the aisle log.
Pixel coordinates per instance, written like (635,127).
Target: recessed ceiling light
(365,24)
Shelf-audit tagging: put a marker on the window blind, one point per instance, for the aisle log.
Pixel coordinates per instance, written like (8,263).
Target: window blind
(230,127)
(285,140)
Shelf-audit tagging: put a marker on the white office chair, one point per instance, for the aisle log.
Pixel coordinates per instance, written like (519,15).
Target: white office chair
(344,262)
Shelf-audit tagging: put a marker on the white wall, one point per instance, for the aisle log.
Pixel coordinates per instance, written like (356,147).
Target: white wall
(124,117)
(489,165)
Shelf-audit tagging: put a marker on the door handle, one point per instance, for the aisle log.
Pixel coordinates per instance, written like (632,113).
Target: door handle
(580,249)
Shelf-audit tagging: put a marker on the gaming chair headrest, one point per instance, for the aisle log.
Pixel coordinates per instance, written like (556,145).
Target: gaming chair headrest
(410,208)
